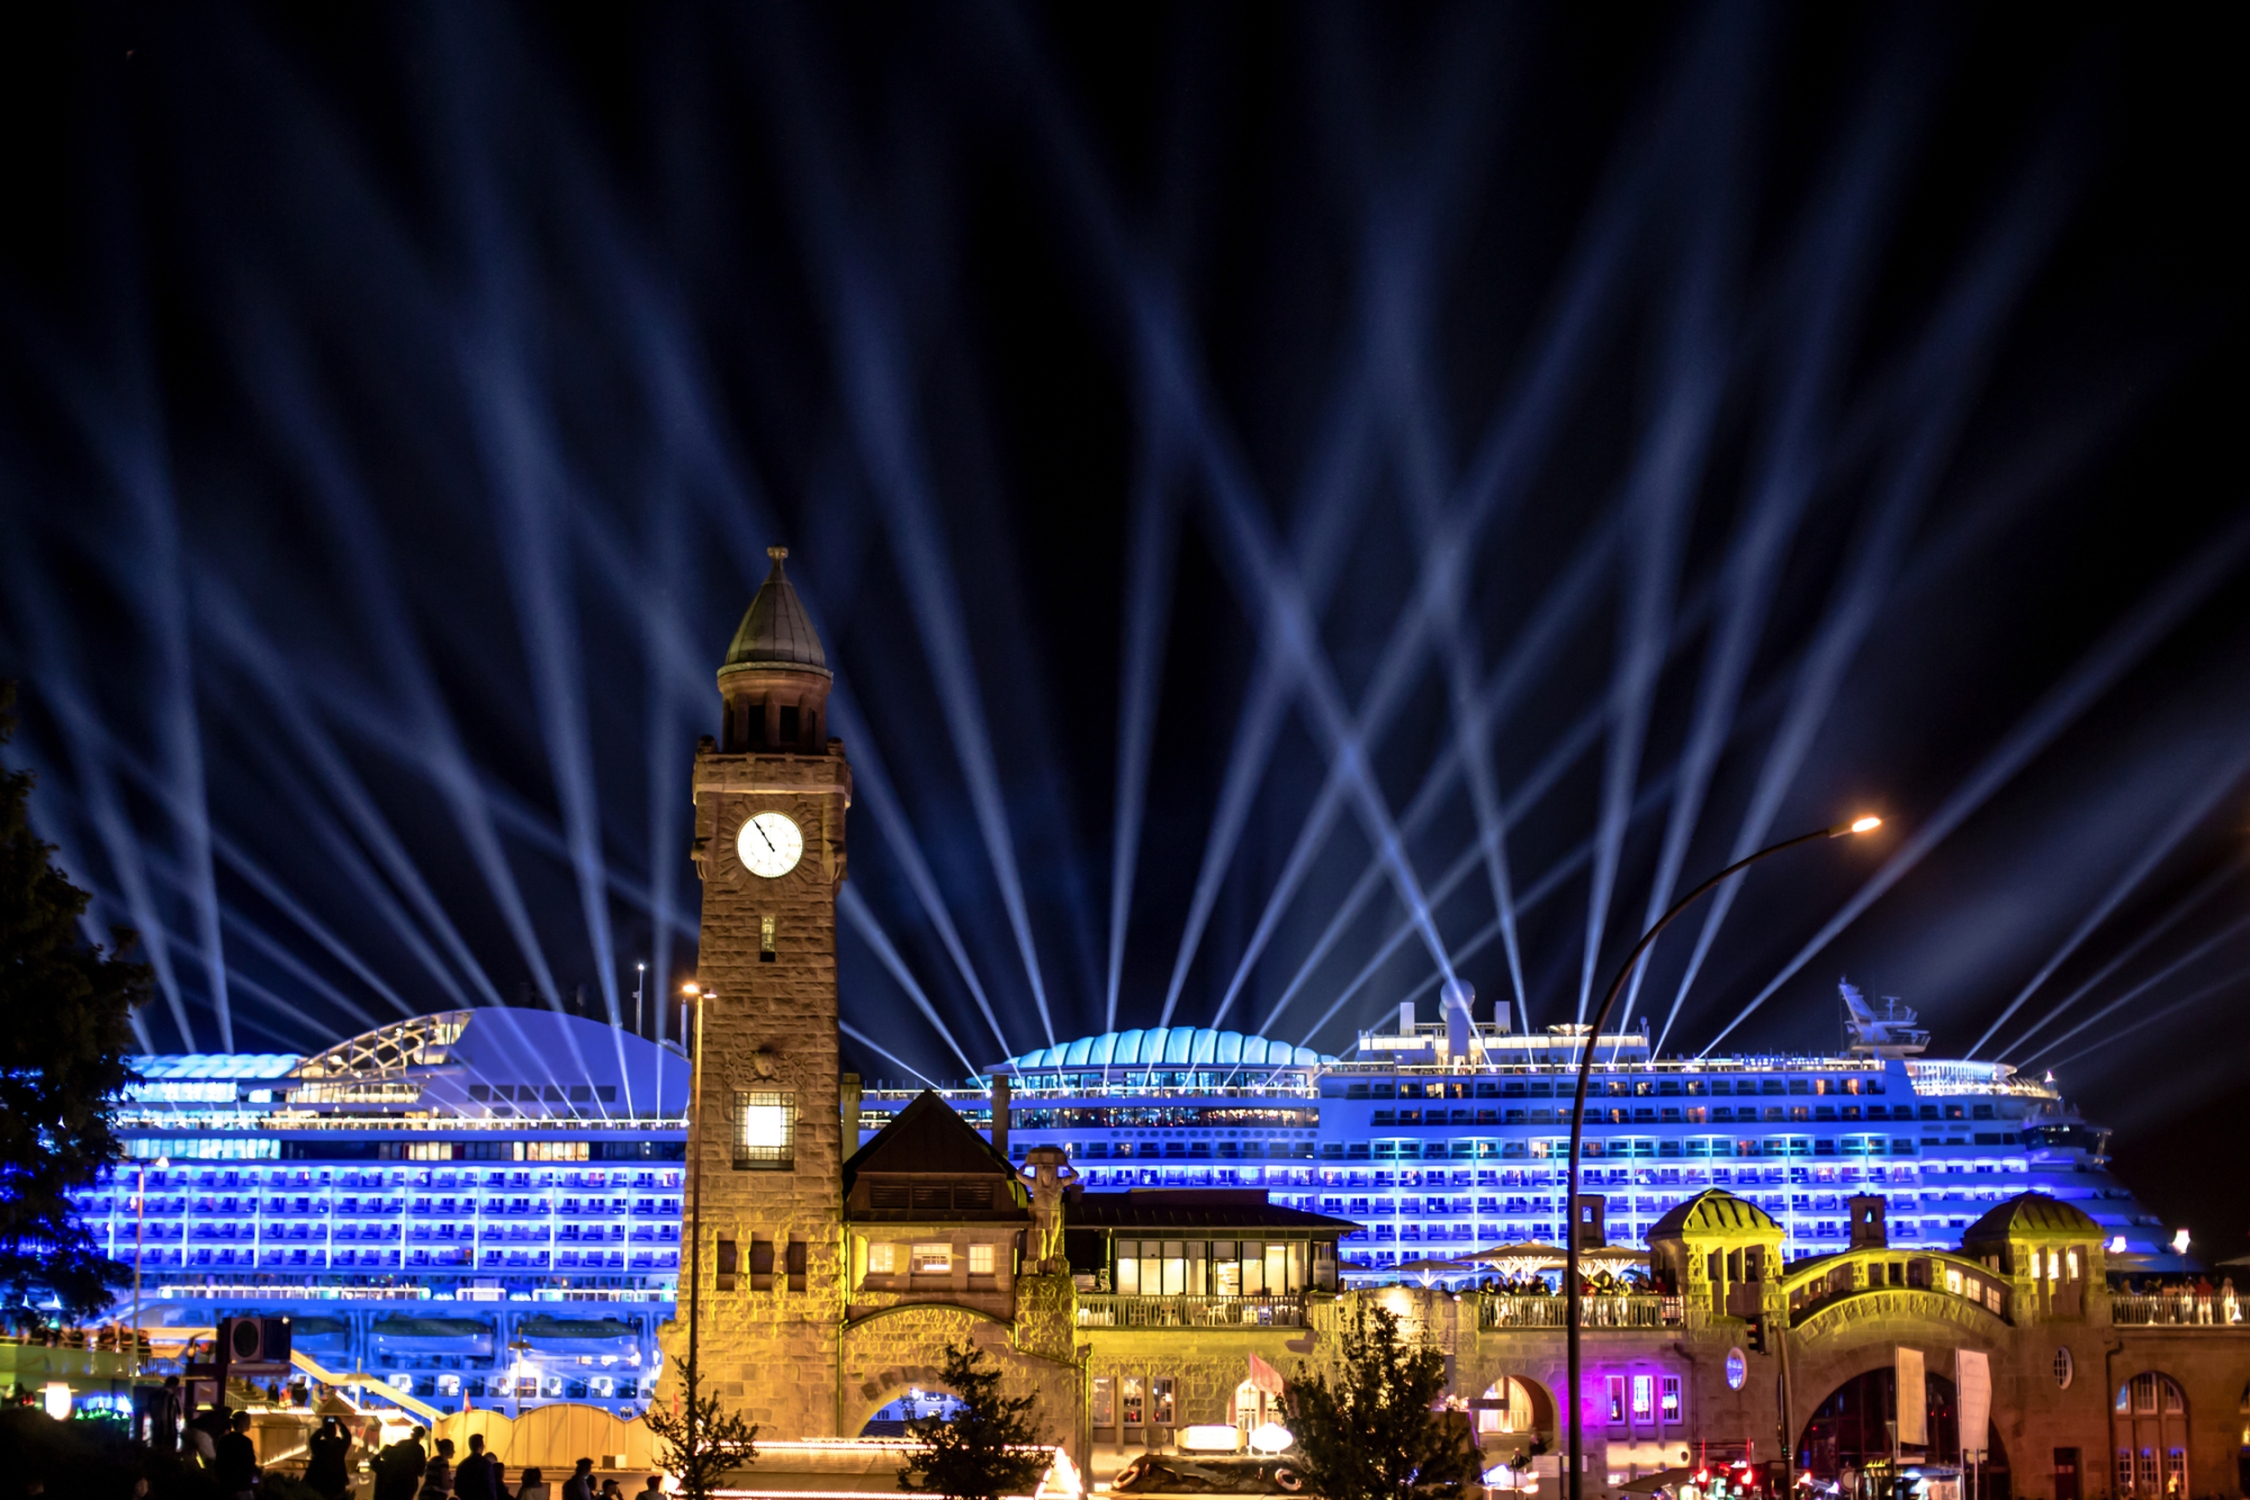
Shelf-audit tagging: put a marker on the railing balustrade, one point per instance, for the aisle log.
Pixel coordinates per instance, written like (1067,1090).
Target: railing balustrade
(1628,1310)
(2175,1310)
(1123,1310)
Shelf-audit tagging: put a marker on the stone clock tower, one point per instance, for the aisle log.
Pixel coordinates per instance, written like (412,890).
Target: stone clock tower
(770,797)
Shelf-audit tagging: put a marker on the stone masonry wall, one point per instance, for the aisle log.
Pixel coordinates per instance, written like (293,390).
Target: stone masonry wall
(769,1026)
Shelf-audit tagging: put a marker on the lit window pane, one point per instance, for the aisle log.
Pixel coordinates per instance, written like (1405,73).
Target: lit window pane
(764,1129)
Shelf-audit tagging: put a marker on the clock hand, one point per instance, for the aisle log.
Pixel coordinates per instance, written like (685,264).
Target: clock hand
(763,834)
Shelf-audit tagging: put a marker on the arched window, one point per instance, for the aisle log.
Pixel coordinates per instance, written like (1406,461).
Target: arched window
(1254,1408)
(1506,1407)
(2149,1434)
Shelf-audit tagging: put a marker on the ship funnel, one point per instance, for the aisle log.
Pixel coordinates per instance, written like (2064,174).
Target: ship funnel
(1458,997)
(1406,1018)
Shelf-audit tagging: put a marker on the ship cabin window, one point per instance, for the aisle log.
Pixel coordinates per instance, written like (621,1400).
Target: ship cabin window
(1800,1086)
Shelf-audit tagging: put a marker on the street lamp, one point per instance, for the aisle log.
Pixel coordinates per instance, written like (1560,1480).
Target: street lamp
(699,998)
(140,1232)
(1573,1309)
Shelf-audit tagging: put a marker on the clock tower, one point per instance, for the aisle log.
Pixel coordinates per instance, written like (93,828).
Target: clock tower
(763,1285)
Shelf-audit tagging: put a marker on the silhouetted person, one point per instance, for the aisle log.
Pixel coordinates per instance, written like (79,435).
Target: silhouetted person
(655,1490)
(437,1479)
(534,1487)
(329,1469)
(204,1432)
(580,1484)
(398,1469)
(237,1465)
(478,1478)
(164,1417)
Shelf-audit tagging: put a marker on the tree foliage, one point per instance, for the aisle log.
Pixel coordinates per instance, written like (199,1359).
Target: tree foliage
(65,1033)
(988,1448)
(1366,1429)
(702,1442)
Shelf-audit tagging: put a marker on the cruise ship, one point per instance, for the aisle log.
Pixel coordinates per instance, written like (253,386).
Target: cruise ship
(476,1207)
(1444,1138)
(483,1207)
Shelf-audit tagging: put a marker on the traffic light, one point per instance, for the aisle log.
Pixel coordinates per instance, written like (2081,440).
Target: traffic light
(1757,1335)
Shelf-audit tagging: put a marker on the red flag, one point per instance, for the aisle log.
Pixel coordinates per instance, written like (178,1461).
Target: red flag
(1264,1376)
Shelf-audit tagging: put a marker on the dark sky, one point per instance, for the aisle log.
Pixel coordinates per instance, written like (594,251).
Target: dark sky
(1363,493)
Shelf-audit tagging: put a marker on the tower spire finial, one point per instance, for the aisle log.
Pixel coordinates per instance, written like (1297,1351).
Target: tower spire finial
(777,554)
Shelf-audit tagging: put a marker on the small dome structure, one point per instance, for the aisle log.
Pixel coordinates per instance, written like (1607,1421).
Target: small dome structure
(775,630)
(1167,1047)
(1713,1212)
(773,685)
(2032,1216)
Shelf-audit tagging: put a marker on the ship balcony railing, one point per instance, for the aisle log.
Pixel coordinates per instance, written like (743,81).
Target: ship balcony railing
(1603,1310)
(2176,1310)
(1127,1310)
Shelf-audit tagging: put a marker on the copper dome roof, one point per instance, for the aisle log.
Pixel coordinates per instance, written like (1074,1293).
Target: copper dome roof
(776,631)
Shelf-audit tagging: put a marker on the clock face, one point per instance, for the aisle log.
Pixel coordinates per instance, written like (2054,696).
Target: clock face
(769,845)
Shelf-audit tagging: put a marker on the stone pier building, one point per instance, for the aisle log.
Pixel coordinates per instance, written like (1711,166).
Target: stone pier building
(823,1283)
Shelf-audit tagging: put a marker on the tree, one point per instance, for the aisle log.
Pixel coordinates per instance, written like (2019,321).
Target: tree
(1367,1430)
(702,1443)
(65,1033)
(986,1449)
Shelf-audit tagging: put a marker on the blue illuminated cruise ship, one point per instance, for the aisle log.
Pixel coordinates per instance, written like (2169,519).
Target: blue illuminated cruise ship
(477,1204)
(484,1206)
(1441,1139)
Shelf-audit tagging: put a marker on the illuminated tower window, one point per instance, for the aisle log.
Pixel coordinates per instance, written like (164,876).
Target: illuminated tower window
(765,1130)
(766,953)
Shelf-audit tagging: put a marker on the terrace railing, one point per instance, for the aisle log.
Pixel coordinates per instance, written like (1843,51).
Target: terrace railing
(1629,1310)
(1116,1310)
(2175,1310)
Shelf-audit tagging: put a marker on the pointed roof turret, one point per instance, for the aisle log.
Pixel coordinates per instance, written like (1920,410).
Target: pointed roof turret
(776,632)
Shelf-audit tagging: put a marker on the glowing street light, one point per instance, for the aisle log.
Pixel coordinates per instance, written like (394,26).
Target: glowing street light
(696,994)
(1866,823)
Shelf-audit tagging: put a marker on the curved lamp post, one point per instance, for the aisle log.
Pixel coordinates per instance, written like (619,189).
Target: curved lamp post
(1574,1308)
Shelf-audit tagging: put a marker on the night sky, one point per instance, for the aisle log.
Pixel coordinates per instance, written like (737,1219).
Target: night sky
(1358,494)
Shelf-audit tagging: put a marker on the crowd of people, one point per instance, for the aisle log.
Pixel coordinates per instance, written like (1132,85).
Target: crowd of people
(2196,1299)
(218,1440)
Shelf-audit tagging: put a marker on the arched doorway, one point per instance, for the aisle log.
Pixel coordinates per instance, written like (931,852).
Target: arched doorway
(915,1404)
(2148,1427)
(1254,1407)
(1850,1434)
(1513,1416)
